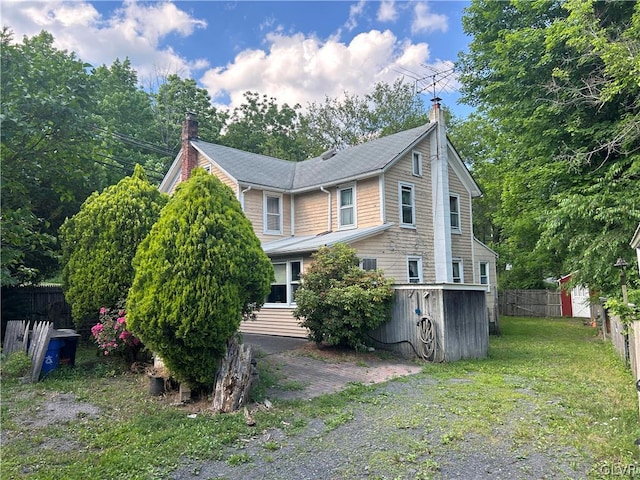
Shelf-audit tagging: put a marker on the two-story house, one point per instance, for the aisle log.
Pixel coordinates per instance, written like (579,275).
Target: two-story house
(402,201)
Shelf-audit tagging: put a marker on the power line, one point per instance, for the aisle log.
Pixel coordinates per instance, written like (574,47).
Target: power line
(127,166)
(135,141)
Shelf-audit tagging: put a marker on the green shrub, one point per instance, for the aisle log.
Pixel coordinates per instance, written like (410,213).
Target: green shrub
(17,364)
(200,270)
(100,241)
(339,302)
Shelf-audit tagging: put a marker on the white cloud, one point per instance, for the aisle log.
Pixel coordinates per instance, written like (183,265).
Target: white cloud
(134,31)
(354,12)
(425,21)
(300,69)
(387,11)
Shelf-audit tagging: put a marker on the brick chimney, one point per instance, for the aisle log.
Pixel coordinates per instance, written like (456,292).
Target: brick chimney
(189,153)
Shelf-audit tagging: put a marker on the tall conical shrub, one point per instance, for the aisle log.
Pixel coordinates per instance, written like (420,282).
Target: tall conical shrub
(197,273)
(100,241)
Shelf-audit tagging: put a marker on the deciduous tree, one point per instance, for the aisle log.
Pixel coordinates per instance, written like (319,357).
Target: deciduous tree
(339,302)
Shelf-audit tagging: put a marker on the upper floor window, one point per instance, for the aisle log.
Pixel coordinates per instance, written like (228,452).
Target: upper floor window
(454,210)
(346,207)
(407,205)
(414,269)
(287,281)
(416,162)
(484,273)
(272,214)
(458,276)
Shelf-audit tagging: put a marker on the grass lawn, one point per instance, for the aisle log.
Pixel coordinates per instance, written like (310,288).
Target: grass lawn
(547,384)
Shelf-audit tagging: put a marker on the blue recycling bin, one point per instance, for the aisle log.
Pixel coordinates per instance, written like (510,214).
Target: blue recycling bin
(52,356)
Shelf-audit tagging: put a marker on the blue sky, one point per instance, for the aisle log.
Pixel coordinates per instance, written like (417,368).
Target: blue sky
(295,51)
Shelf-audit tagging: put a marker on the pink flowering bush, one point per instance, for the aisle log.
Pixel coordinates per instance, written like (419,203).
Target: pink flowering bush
(112,336)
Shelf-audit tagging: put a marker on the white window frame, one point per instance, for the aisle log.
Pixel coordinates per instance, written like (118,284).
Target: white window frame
(457,261)
(419,278)
(343,207)
(486,274)
(458,228)
(411,186)
(265,197)
(416,163)
(207,167)
(290,282)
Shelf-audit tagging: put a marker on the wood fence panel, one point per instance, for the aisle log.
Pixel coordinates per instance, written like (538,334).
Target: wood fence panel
(38,347)
(16,337)
(529,303)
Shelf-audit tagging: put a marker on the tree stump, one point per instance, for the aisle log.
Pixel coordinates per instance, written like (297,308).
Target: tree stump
(234,378)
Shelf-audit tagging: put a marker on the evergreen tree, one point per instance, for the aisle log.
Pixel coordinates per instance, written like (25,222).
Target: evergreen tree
(197,274)
(100,241)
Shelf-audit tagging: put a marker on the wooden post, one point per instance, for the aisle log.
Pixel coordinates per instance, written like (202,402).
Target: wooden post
(234,378)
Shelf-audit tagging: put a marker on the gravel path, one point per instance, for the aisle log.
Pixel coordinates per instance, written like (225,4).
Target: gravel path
(400,431)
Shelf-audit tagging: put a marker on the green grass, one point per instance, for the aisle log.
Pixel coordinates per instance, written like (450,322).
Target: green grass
(547,385)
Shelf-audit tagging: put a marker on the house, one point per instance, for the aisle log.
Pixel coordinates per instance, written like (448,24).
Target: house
(635,243)
(402,201)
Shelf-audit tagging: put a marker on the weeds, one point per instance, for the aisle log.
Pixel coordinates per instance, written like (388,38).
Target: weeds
(548,387)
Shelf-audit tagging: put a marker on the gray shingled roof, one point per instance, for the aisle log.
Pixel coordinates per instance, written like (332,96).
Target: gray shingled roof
(357,161)
(311,243)
(250,167)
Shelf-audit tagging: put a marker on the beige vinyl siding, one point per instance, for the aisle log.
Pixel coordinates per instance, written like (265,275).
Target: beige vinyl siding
(274,321)
(224,178)
(391,249)
(462,243)
(397,243)
(254,210)
(483,254)
(368,202)
(311,212)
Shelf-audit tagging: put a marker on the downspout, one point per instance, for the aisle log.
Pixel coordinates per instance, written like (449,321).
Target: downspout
(242,196)
(293,214)
(322,189)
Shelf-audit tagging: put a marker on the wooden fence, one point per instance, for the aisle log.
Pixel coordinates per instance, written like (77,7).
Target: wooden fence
(36,303)
(529,303)
(625,341)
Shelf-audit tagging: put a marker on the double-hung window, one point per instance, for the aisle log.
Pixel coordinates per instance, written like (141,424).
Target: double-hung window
(456,266)
(414,269)
(272,214)
(347,207)
(454,211)
(287,281)
(407,205)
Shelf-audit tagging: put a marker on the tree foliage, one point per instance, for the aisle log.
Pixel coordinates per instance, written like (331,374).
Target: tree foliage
(46,173)
(558,83)
(338,301)
(352,120)
(173,98)
(100,242)
(261,126)
(200,270)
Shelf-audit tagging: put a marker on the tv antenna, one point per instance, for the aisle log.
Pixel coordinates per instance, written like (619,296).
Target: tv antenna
(435,80)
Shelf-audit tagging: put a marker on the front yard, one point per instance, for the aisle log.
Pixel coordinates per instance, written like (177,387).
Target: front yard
(551,401)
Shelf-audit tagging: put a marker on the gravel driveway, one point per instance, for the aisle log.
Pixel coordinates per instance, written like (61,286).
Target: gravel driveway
(400,431)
